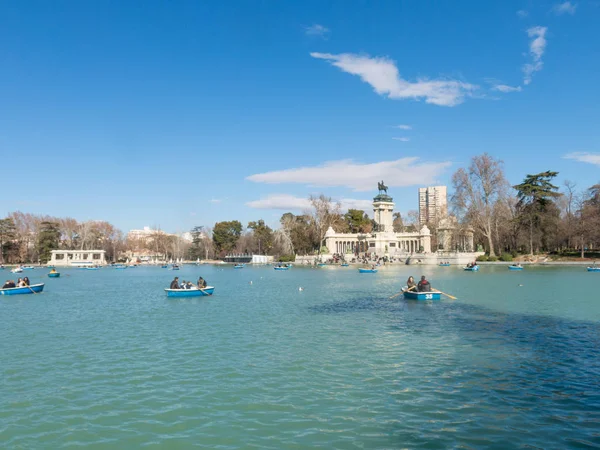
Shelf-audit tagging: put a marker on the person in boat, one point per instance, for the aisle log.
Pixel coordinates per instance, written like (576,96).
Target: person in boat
(201,283)
(424,285)
(411,284)
(26,281)
(20,282)
(53,270)
(174,283)
(189,285)
(9,284)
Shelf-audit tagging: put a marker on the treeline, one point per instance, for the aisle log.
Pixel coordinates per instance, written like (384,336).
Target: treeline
(534,216)
(30,238)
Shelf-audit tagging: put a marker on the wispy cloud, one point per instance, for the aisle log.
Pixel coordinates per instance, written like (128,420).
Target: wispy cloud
(403,127)
(537,46)
(590,158)
(402,139)
(317,30)
(506,88)
(216,200)
(288,202)
(359,177)
(383,75)
(564,8)
(522,14)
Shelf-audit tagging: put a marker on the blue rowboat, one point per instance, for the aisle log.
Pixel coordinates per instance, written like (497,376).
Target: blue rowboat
(444,264)
(344,265)
(34,288)
(27,267)
(472,269)
(593,269)
(208,290)
(54,275)
(238,266)
(281,268)
(431,295)
(90,268)
(321,265)
(164,266)
(513,267)
(367,270)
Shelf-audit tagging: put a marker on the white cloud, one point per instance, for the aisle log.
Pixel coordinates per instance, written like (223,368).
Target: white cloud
(537,46)
(382,74)
(404,127)
(359,177)
(591,158)
(402,139)
(291,203)
(317,30)
(215,200)
(564,8)
(506,88)
(522,13)
(280,201)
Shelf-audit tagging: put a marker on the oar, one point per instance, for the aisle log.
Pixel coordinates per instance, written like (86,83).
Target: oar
(447,295)
(402,292)
(31,289)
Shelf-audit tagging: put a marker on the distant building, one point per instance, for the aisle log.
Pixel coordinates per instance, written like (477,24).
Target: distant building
(77,258)
(433,204)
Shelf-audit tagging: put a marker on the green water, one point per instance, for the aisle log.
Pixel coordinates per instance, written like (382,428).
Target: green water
(104,359)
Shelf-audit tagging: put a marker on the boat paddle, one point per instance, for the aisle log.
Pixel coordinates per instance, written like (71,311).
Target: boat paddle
(447,295)
(402,292)
(31,289)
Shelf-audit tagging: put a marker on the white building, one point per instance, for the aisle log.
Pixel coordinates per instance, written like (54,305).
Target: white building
(77,258)
(433,204)
(383,241)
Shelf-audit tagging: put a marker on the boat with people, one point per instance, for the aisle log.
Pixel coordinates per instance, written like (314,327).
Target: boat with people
(27,267)
(515,267)
(362,270)
(593,269)
(17,270)
(120,266)
(33,289)
(192,292)
(54,274)
(281,268)
(321,264)
(175,267)
(444,264)
(238,266)
(473,268)
(420,295)
(344,265)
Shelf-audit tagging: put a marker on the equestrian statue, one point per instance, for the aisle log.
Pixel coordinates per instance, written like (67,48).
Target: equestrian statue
(382,187)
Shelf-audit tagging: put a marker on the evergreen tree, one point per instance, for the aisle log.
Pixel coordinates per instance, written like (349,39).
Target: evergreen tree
(48,240)
(8,232)
(535,201)
(226,235)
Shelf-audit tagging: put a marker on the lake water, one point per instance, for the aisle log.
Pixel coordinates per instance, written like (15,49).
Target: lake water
(104,359)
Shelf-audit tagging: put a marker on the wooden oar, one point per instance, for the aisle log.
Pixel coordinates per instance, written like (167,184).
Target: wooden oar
(31,289)
(402,292)
(447,295)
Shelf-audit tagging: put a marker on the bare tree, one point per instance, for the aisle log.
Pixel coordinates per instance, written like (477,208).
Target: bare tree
(324,214)
(476,192)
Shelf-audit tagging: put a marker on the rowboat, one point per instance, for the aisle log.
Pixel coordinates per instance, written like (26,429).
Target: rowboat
(54,275)
(164,266)
(472,269)
(515,267)
(414,295)
(195,292)
(281,268)
(17,270)
(175,267)
(120,267)
(593,269)
(444,264)
(90,268)
(238,266)
(321,265)
(344,265)
(27,267)
(34,288)
(367,270)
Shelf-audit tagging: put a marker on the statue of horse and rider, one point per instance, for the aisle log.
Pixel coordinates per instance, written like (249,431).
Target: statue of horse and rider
(382,187)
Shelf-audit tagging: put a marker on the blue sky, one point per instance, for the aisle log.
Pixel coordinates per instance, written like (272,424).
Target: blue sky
(177,114)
